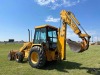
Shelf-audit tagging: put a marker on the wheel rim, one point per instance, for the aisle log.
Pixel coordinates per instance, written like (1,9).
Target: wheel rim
(34,57)
(17,57)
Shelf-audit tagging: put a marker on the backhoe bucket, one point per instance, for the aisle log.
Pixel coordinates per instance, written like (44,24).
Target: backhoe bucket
(74,46)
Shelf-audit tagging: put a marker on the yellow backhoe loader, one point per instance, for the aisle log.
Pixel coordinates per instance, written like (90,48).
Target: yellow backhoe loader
(49,42)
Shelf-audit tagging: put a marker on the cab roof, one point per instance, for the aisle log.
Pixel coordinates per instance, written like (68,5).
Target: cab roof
(46,25)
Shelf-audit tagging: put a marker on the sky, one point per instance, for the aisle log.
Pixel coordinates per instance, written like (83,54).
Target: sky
(17,16)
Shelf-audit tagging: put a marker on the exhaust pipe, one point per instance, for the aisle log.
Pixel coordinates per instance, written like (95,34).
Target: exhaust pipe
(29,34)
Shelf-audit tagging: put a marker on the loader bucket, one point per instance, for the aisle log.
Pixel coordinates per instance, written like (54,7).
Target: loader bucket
(11,54)
(74,46)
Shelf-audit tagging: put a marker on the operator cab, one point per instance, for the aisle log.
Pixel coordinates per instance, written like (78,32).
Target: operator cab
(46,34)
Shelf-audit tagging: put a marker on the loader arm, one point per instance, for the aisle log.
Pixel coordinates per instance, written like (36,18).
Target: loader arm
(69,19)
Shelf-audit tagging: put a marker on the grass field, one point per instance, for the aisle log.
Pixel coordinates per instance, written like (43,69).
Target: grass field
(86,63)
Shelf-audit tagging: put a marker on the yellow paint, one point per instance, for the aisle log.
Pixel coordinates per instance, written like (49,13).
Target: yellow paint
(36,45)
(34,57)
(46,25)
(50,55)
(61,43)
(26,48)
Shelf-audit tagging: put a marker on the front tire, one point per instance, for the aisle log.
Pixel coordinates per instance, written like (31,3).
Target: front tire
(19,57)
(37,57)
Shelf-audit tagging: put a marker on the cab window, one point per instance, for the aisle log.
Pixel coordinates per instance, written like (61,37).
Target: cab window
(40,36)
(52,34)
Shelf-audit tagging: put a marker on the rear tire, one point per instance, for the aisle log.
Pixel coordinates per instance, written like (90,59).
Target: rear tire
(19,57)
(37,57)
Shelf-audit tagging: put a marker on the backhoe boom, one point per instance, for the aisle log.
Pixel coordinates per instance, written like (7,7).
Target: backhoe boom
(69,19)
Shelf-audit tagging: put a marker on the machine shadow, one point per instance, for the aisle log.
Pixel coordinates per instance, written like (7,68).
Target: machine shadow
(63,66)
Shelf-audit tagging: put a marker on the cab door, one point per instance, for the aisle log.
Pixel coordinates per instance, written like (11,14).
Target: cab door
(52,38)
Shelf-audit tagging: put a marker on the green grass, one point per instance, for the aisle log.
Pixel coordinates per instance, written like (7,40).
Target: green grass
(86,63)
